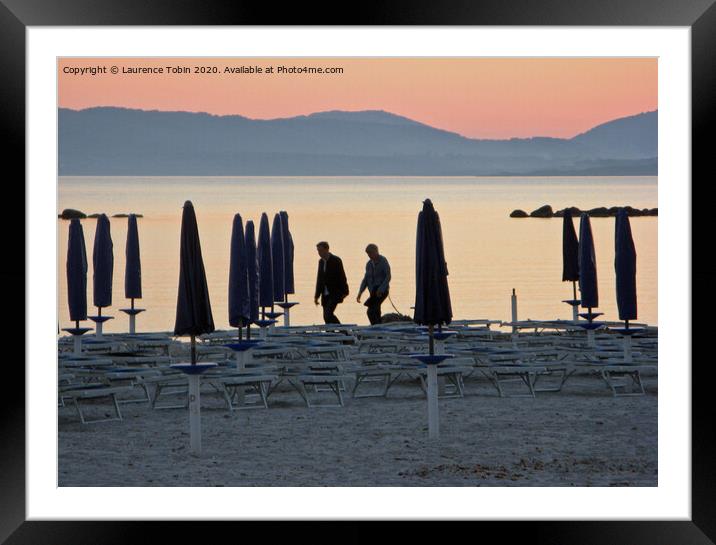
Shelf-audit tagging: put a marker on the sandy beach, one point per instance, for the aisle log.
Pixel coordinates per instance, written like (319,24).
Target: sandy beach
(581,436)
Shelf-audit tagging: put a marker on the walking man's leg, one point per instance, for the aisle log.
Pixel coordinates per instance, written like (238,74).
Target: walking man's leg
(329,307)
(374,313)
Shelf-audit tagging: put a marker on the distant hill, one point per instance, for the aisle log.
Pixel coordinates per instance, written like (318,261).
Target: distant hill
(624,138)
(120,141)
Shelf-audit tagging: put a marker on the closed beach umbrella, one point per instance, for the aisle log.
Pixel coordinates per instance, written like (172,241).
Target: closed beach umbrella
(625,267)
(277,259)
(193,316)
(570,250)
(432,296)
(432,299)
(238,277)
(263,253)
(77,272)
(252,271)
(102,263)
(587,265)
(133,265)
(288,255)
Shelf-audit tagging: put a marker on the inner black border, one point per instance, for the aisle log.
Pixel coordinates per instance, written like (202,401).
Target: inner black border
(16,15)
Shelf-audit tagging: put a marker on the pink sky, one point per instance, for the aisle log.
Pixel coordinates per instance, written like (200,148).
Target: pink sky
(475,97)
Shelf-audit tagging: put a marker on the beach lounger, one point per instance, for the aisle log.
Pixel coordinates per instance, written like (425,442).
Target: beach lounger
(78,393)
(453,385)
(372,374)
(333,381)
(139,358)
(623,379)
(91,362)
(500,375)
(231,385)
(64,380)
(449,374)
(169,383)
(522,367)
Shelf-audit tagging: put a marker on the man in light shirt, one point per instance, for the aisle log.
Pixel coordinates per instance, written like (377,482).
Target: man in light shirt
(331,283)
(377,281)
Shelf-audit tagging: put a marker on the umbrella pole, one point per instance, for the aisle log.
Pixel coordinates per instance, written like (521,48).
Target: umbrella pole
(590,332)
(575,309)
(248,331)
(132,318)
(433,418)
(193,350)
(239,333)
(98,327)
(77,340)
(626,343)
(431,341)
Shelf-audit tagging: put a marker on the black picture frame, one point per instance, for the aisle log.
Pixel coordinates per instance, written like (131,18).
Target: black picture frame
(699,15)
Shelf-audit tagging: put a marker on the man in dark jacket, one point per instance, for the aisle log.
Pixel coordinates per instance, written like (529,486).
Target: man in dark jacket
(331,283)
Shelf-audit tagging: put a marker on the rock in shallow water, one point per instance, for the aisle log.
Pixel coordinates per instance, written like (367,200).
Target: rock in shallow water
(573,209)
(600,212)
(542,212)
(71,213)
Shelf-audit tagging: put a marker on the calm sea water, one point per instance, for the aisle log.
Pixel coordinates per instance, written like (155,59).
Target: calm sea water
(488,253)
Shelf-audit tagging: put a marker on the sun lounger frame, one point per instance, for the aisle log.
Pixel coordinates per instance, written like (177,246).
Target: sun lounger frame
(83,392)
(333,381)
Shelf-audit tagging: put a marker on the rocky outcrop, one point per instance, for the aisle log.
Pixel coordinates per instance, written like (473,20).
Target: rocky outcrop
(573,209)
(600,212)
(542,212)
(71,213)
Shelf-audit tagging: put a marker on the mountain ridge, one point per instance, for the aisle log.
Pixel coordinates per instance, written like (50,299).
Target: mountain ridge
(108,140)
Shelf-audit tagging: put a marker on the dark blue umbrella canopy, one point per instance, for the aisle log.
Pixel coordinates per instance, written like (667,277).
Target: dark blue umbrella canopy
(193,306)
(277,259)
(432,296)
(252,271)
(587,265)
(102,263)
(287,254)
(133,266)
(238,277)
(77,272)
(570,250)
(263,252)
(625,266)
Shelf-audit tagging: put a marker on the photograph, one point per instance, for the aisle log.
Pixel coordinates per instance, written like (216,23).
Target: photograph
(408,266)
(353,271)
